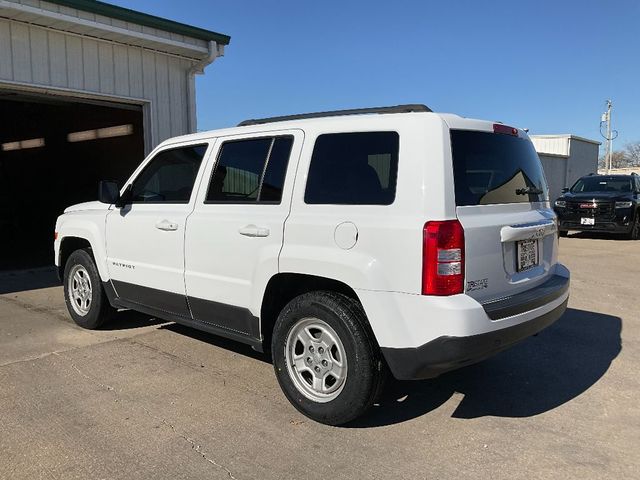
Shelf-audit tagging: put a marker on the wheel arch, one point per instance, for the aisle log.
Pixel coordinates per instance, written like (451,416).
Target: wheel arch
(284,287)
(68,245)
(75,236)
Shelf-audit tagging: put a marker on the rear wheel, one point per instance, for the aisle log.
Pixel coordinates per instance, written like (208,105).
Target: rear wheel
(83,293)
(325,358)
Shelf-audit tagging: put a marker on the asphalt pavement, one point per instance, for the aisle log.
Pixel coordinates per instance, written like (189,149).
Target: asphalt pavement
(145,399)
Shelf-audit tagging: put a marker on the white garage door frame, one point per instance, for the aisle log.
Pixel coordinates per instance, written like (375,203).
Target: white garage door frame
(71,95)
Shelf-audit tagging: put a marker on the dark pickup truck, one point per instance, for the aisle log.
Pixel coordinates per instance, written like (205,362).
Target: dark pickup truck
(601,203)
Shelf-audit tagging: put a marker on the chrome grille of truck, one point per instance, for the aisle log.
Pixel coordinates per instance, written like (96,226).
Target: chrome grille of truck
(602,209)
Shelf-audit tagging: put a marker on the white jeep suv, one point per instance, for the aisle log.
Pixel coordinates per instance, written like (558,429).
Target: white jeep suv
(348,244)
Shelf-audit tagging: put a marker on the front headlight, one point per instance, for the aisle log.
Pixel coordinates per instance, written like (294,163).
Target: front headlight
(624,204)
(560,203)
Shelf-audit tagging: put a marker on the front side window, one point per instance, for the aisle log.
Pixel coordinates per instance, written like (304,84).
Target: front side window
(251,170)
(353,169)
(169,176)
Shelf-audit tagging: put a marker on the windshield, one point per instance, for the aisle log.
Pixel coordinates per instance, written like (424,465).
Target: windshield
(491,168)
(602,184)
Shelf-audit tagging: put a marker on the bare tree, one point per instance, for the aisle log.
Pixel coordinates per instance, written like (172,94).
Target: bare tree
(629,157)
(619,159)
(632,153)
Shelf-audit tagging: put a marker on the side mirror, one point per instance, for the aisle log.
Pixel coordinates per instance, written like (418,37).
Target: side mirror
(565,189)
(108,192)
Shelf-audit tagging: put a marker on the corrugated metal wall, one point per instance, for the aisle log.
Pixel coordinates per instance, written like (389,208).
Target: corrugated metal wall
(555,171)
(551,145)
(565,159)
(583,160)
(42,57)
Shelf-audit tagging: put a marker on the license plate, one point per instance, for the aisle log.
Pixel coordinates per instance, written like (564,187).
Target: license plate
(587,221)
(527,251)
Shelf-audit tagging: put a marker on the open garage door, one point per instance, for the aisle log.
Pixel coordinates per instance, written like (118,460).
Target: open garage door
(53,152)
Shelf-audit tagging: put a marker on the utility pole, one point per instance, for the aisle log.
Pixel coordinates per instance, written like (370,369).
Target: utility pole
(606,117)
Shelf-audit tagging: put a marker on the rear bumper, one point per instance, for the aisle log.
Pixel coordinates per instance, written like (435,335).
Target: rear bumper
(449,352)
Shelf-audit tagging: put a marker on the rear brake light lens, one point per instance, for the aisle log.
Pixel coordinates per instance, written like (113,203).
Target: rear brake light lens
(499,128)
(443,258)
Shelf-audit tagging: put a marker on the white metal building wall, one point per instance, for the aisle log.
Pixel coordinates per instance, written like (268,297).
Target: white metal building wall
(555,171)
(565,158)
(42,57)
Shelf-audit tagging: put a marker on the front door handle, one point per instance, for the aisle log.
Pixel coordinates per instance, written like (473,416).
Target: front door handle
(253,231)
(167,225)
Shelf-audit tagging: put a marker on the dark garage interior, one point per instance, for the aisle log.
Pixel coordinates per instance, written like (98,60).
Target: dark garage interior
(53,152)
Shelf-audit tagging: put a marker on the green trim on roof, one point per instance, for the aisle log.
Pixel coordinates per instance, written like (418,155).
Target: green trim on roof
(127,15)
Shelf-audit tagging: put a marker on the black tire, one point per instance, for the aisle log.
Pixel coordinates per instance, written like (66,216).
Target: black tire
(365,367)
(634,233)
(99,310)
(563,233)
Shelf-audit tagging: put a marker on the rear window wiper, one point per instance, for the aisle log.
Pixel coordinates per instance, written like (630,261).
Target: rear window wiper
(528,191)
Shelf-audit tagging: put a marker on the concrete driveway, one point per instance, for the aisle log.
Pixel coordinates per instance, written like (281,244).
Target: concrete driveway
(153,400)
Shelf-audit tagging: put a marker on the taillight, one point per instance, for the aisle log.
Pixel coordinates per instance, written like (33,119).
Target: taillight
(443,258)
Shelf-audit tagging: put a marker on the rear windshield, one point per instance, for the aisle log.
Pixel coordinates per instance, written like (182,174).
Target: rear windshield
(492,168)
(602,184)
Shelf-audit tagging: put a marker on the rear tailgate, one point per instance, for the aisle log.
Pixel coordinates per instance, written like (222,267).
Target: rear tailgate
(502,204)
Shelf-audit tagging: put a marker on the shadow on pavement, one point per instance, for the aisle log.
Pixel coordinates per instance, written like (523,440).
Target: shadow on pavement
(128,319)
(536,376)
(218,341)
(22,280)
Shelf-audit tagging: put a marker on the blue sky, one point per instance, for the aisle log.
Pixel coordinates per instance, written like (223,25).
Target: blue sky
(548,66)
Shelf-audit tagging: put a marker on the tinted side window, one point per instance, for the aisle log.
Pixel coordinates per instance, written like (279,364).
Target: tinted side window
(169,176)
(273,182)
(353,169)
(250,170)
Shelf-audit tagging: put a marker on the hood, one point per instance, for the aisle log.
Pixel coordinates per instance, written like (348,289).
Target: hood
(588,196)
(81,207)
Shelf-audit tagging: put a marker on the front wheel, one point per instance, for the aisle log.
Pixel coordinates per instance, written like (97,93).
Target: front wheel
(83,293)
(325,358)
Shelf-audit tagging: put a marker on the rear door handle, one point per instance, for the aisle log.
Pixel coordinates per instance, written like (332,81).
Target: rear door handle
(166,225)
(253,231)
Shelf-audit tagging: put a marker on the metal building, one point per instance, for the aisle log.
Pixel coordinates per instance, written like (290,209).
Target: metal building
(565,158)
(86,90)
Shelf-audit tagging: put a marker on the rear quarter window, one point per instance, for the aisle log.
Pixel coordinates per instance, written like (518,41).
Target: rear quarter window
(492,168)
(353,169)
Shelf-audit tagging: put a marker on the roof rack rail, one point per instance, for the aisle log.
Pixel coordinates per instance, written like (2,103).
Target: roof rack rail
(339,113)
